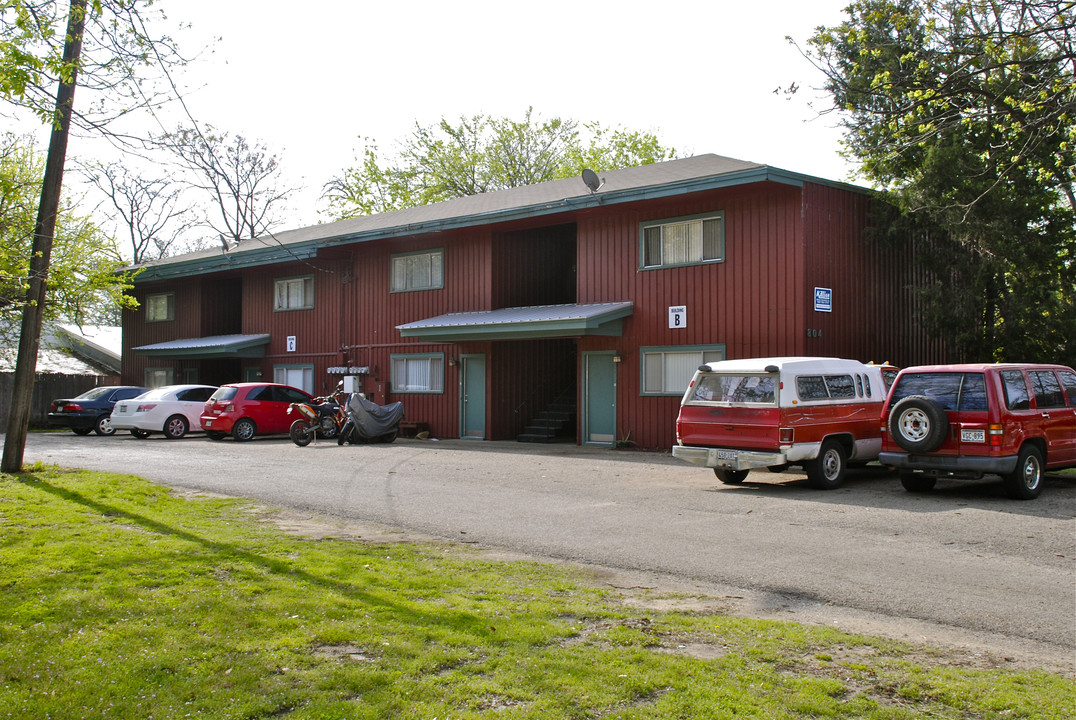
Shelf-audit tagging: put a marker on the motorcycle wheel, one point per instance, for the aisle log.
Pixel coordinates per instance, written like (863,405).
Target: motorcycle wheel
(389,436)
(300,433)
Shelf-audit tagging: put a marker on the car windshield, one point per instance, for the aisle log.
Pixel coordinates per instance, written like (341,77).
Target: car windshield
(224,393)
(96,394)
(155,394)
(735,388)
(953,391)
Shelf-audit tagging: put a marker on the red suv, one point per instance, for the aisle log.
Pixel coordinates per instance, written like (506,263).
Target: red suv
(965,421)
(248,409)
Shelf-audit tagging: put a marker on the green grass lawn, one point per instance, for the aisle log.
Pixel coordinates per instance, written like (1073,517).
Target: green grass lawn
(119,599)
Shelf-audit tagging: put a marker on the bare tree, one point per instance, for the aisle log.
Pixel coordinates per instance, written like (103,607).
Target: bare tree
(241,177)
(150,210)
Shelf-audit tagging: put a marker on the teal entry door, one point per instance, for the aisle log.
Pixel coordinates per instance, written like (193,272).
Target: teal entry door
(473,397)
(599,399)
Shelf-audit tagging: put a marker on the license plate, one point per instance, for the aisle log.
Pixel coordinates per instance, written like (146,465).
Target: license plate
(973,436)
(123,408)
(727,454)
(207,423)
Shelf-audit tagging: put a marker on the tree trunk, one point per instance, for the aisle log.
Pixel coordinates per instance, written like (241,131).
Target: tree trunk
(44,232)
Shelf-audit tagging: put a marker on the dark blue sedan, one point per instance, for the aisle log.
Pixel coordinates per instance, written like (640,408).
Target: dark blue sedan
(92,409)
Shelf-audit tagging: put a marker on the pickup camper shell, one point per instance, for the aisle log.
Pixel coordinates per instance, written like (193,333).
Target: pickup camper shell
(815,412)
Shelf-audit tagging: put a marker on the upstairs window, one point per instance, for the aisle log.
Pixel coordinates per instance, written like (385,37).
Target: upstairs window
(689,241)
(418,271)
(296,293)
(160,307)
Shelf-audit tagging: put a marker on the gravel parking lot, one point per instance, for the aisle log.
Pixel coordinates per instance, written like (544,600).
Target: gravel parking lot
(963,566)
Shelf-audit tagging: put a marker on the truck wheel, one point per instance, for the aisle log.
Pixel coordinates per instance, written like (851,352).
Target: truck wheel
(918,424)
(1025,482)
(826,472)
(730,477)
(915,483)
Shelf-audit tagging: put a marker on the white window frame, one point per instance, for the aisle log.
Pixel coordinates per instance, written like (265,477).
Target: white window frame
(421,373)
(161,307)
(676,365)
(414,271)
(281,376)
(682,241)
(293,293)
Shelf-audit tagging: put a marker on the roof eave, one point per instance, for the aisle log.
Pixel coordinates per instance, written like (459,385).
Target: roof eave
(304,250)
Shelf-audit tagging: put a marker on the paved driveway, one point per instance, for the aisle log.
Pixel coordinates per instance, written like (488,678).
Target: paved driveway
(962,565)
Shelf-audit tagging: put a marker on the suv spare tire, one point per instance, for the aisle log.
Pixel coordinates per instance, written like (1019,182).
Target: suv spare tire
(918,424)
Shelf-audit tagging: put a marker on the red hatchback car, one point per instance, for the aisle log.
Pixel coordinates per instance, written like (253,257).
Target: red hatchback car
(244,410)
(966,421)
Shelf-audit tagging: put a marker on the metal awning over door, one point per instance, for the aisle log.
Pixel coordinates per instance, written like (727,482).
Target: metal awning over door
(541,321)
(213,347)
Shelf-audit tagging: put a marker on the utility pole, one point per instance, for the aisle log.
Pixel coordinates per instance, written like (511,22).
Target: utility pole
(44,232)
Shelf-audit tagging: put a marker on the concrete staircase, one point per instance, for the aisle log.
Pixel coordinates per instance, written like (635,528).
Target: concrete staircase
(556,423)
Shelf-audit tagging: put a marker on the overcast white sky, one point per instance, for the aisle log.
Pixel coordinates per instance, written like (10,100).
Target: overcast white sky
(308,79)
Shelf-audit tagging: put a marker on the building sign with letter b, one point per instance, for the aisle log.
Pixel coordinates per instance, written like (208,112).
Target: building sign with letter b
(678,316)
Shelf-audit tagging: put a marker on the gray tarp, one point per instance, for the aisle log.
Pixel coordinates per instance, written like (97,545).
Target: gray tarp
(371,419)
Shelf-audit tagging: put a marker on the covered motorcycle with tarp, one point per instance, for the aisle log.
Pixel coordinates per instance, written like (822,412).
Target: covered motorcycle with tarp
(369,422)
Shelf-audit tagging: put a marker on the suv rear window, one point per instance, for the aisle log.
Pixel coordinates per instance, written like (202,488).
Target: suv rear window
(1016,394)
(953,391)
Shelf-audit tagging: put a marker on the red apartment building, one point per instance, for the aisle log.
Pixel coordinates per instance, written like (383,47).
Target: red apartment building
(484,313)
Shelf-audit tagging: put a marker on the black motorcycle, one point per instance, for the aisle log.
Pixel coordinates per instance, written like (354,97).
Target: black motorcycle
(369,422)
(323,416)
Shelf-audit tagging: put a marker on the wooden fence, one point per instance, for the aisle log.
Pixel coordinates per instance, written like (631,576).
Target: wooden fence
(47,387)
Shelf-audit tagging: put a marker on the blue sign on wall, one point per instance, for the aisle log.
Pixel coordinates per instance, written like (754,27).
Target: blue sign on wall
(823,299)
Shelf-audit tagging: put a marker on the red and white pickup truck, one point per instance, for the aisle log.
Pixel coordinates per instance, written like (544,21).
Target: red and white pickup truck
(818,413)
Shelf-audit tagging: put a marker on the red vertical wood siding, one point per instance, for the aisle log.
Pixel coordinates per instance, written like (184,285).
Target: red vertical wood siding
(781,241)
(874,308)
(752,303)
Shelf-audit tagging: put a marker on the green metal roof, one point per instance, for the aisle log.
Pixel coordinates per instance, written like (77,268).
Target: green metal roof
(542,321)
(556,197)
(216,346)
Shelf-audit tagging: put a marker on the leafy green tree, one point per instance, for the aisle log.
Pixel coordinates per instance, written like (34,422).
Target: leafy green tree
(84,281)
(964,111)
(481,154)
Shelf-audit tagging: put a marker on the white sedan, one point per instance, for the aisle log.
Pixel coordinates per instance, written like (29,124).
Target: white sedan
(173,410)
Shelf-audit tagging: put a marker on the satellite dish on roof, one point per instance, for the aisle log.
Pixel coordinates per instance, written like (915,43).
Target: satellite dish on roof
(592,181)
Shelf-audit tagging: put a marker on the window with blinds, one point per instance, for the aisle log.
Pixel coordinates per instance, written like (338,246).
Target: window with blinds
(667,371)
(418,373)
(295,293)
(160,307)
(688,241)
(418,271)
